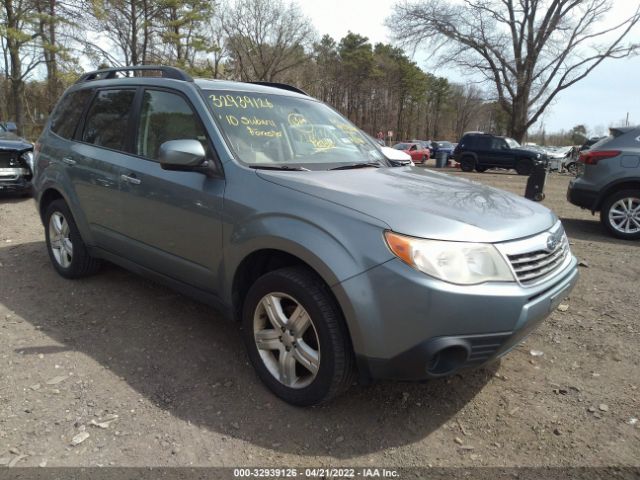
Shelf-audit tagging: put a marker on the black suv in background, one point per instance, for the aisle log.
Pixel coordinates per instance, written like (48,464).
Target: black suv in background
(16,162)
(481,151)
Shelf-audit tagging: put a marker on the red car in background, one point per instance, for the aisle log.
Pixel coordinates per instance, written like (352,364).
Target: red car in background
(418,153)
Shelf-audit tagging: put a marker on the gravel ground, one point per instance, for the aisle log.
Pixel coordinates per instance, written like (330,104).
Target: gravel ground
(134,374)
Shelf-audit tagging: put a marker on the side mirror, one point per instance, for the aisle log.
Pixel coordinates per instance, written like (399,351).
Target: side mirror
(186,155)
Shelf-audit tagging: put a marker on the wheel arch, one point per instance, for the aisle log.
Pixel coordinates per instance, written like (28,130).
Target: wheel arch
(48,196)
(626,184)
(256,264)
(53,191)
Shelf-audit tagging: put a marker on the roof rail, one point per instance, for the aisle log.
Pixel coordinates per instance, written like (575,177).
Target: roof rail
(110,73)
(282,86)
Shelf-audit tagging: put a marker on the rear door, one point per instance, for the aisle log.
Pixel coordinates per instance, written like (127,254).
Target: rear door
(171,218)
(482,148)
(96,160)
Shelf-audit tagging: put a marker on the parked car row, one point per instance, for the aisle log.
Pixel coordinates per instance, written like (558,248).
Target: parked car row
(277,210)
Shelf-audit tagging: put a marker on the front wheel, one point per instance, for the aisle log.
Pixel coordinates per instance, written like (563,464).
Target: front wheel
(296,337)
(467,164)
(620,214)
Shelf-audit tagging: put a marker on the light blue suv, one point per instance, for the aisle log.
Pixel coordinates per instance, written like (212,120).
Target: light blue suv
(275,209)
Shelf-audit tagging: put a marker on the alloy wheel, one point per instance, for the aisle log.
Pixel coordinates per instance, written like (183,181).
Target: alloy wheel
(624,215)
(60,241)
(287,340)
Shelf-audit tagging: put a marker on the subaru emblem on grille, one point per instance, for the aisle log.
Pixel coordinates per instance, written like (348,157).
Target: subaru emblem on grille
(552,243)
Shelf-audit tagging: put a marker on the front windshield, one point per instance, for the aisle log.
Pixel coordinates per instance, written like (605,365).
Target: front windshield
(512,143)
(266,130)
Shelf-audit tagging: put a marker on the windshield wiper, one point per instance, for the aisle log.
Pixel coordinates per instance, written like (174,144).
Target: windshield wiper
(357,165)
(279,167)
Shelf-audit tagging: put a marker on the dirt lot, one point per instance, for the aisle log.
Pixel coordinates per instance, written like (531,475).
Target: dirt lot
(77,353)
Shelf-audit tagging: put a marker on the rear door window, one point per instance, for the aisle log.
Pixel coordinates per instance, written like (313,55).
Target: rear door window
(166,116)
(107,121)
(68,112)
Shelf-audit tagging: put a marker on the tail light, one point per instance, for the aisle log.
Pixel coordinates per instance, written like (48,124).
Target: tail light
(592,158)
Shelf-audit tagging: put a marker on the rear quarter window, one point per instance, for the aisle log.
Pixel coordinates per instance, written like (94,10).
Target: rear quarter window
(66,115)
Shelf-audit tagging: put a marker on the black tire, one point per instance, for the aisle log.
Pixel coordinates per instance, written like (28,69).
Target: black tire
(524,166)
(80,263)
(424,160)
(609,202)
(467,164)
(572,168)
(336,371)
(540,196)
(480,169)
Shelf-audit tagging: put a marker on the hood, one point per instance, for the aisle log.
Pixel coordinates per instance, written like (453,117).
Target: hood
(425,204)
(10,141)
(528,151)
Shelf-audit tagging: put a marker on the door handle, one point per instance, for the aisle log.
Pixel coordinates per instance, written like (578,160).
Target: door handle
(130,179)
(69,161)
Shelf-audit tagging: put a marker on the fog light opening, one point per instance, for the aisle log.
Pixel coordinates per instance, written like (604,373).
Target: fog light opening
(447,360)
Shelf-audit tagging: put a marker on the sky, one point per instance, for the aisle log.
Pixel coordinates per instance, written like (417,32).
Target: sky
(601,99)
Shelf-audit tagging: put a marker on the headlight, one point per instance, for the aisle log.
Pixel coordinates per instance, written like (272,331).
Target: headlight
(454,262)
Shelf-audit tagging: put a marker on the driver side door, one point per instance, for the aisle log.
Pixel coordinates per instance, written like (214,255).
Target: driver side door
(172,218)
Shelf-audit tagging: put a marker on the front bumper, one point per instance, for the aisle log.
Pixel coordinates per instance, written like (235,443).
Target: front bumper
(15,180)
(401,319)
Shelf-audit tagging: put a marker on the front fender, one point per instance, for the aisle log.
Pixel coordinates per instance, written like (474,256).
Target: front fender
(338,243)
(336,254)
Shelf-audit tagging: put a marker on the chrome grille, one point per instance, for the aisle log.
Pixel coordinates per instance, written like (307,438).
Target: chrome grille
(531,267)
(534,259)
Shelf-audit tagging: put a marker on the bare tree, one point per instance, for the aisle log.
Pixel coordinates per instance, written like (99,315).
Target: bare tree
(129,24)
(529,50)
(266,38)
(20,44)
(467,101)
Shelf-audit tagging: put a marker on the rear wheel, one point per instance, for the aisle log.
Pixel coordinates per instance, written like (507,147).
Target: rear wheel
(467,164)
(620,214)
(524,166)
(67,251)
(296,337)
